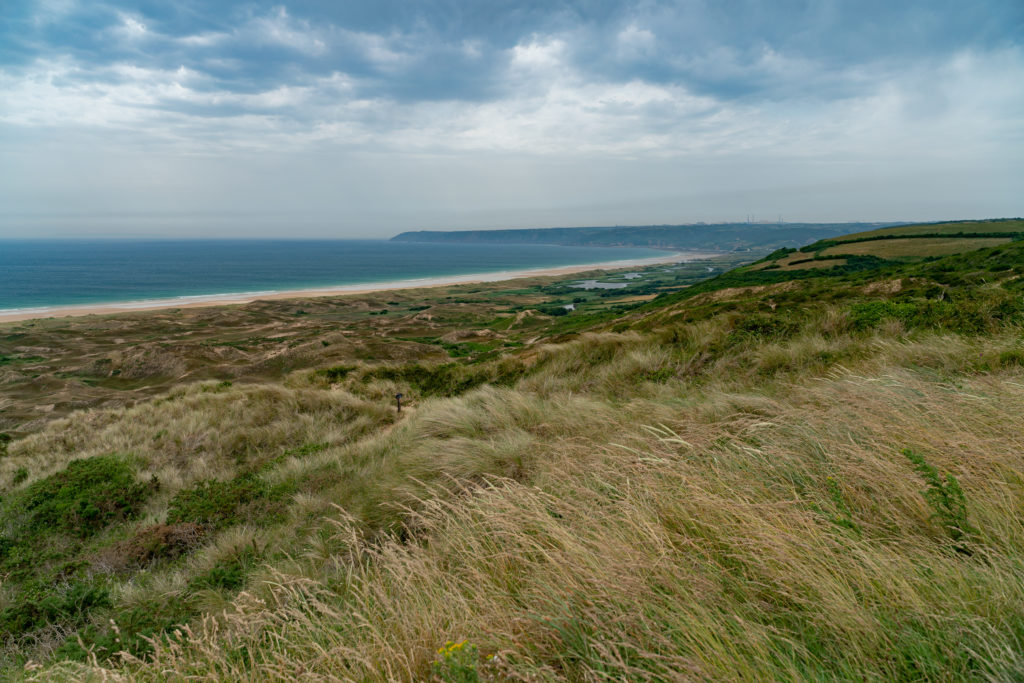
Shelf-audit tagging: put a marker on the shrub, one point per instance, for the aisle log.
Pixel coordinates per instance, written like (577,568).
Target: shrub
(44,605)
(229,574)
(155,542)
(85,497)
(869,314)
(449,379)
(214,504)
(764,326)
(337,373)
(946,498)
(154,619)
(554,311)
(457,663)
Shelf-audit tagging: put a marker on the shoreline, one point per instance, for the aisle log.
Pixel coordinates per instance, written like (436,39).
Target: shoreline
(209,300)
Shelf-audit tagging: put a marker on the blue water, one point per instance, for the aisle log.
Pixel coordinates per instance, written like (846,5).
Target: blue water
(46,273)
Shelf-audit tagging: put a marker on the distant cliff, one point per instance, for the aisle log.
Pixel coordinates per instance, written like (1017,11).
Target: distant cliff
(719,237)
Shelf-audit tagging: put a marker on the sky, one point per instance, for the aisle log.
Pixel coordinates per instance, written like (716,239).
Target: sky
(362,119)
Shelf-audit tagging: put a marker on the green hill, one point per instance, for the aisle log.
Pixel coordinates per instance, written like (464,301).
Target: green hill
(904,243)
(755,473)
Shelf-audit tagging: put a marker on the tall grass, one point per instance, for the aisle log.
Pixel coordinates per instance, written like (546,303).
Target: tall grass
(704,547)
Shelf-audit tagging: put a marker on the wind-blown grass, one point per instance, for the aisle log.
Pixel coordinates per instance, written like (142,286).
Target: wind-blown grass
(702,547)
(813,479)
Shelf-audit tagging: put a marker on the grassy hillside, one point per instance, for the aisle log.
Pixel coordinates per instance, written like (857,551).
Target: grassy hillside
(1009,226)
(902,243)
(768,474)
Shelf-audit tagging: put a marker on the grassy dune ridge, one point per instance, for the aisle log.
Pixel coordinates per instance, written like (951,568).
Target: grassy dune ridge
(765,476)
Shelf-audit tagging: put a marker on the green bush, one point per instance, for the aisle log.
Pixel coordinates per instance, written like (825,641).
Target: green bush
(337,373)
(457,663)
(214,504)
(227,575)
(766,327)
(135,628)
(449,379)
(554,311)
(85,497)
(866,315)
(974,315)
(45,605)
(947,499)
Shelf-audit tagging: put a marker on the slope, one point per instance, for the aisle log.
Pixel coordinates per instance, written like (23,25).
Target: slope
(811,474)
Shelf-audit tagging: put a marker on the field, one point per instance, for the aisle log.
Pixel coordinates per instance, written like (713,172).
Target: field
(798,260)
(815,263)
(913,248)
(903,243)
(1014,226)
(757,474)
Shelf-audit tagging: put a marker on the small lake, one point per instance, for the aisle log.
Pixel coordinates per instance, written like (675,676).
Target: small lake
(594,284)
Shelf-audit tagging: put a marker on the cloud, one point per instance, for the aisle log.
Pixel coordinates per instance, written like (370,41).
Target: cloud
(130,29)
(634,42)
(207,39)
(281,29)
(846,87)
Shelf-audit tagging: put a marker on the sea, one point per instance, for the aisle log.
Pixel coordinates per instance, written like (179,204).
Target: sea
(36,275)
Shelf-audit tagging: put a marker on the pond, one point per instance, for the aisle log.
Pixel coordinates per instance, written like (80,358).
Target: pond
(594,284)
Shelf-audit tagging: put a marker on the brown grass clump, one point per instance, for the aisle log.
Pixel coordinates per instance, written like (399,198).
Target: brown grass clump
(152,543)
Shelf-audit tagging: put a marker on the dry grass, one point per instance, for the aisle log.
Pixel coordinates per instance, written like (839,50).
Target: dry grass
(775,533)
(200,431)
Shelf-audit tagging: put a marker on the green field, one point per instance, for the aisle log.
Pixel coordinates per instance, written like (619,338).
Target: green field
(818,263)
(903,243)
(913,248)
(1015,225)
(774,473)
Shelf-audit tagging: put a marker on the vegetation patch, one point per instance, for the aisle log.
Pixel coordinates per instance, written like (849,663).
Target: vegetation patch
(12,360)
(449,379)
(153,543)
(229,574)
(213,504)
(84,498)
(337,373)
(68,606)
(947,500)
(912,247)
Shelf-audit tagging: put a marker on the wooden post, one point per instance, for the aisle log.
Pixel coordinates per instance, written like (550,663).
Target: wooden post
(398,402)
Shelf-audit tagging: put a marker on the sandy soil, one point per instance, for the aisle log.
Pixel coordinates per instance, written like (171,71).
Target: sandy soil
(247,297)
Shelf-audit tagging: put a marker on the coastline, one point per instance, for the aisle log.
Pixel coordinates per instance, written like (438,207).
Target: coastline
(208,300)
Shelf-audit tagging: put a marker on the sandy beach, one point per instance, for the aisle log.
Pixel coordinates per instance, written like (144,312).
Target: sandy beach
(200,301)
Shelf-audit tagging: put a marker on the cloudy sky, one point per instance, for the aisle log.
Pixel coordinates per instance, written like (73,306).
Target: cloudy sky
(327,118)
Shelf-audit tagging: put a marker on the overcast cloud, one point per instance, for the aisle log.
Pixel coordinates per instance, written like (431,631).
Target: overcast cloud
(362,119)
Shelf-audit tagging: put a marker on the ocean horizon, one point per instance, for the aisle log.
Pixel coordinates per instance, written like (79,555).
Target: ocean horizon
(37,274)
